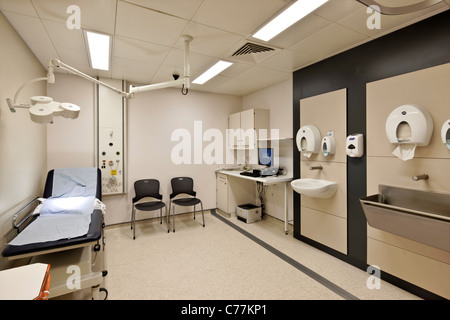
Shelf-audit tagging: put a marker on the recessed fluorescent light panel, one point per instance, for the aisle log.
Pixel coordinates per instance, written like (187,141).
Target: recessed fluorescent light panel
(212,72)
(287,18)
(99,49)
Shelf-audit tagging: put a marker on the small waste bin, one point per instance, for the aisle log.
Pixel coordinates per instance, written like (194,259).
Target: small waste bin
(248,213)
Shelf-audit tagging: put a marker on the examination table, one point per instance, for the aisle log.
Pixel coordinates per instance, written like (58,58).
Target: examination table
(75,263)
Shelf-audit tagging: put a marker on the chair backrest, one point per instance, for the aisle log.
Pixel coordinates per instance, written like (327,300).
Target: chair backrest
(146,188)
(182,185)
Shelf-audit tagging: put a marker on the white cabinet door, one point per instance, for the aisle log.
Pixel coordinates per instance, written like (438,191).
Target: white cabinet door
(248,126)
(234,123)
(222,193)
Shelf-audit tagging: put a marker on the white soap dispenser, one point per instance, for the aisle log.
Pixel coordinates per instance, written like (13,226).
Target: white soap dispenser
(445,133)
(355,145)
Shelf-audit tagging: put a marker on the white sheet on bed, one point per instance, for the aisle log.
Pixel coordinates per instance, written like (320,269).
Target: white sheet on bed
(67,213)
(74,182)
(53,227)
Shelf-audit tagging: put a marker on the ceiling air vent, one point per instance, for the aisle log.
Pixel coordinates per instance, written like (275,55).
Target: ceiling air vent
(252,53)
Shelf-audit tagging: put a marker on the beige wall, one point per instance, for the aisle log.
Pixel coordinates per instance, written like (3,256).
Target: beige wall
(409,260)
(22,142)
(278,99)
(325,220)
(70,142)
(152,117)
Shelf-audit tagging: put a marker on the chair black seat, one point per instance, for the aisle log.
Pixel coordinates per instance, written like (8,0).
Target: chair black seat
(184,185)
(186,201)
(150,206)
(147,188)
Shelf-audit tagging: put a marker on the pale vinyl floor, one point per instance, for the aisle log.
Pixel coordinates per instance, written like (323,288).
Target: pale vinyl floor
(218,262)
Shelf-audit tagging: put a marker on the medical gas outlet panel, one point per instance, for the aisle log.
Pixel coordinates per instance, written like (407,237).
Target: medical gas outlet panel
(111,131)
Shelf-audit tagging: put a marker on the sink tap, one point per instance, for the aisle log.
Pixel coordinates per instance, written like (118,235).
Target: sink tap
(420,177)
(316,168)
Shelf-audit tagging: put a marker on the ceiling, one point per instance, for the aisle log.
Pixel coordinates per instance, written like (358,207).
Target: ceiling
(147,44)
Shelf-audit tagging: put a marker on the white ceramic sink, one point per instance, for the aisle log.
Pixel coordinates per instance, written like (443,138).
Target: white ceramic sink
(316,188)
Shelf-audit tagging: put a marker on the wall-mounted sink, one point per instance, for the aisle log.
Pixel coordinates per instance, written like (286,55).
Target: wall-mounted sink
(419,215)
(316,188)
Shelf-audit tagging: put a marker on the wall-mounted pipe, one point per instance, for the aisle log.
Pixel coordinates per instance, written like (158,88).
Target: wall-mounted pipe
(421,177)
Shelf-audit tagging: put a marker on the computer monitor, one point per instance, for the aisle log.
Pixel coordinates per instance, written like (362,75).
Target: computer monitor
(265,156)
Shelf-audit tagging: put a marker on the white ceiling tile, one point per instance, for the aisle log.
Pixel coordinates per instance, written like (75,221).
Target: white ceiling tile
(236,69)
(179,8)
(208,40)
(254,78)
(62,37)
(197,62)
(241,17)
(29,28)
(139,50)
(76,57)
(132,70)
(147,25)
(96,15)
(288,61)
(23,7)
(329,41)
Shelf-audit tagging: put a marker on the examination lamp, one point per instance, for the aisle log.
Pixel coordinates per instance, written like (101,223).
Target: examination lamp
(42,109)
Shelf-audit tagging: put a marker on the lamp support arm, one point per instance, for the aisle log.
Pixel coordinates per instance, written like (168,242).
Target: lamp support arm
(59,64)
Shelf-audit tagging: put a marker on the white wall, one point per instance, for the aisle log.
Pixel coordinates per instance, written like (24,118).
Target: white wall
(277,98)
(70,142)
(22,142)
(152,117)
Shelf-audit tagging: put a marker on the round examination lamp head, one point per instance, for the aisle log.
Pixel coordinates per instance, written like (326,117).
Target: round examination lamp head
(70,110)
(43,109)
(41,113)
(40,100)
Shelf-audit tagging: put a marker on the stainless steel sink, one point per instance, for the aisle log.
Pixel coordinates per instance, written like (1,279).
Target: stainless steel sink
(419,215)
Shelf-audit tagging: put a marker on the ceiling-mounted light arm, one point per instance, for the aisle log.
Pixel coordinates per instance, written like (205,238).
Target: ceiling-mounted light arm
(400,10)
(59,64)
(183,81)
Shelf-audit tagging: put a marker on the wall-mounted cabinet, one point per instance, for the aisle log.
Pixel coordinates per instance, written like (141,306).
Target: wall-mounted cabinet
(244,128)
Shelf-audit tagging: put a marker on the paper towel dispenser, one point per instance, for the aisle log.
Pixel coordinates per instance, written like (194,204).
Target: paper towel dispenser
(409,124)
(308,140)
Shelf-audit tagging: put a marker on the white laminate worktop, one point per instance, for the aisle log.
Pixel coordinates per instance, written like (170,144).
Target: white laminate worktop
(265,180)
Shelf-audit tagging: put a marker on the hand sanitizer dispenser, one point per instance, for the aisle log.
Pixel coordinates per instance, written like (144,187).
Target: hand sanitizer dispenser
(355,145)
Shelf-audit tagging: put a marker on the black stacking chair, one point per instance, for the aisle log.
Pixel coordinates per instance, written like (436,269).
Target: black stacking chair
(184,185)
(147,188)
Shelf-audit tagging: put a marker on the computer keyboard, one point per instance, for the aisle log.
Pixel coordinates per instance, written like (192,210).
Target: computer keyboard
(250,174)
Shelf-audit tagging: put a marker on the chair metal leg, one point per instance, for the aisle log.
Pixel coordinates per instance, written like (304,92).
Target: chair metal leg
(160,216)
(173,218)
(203,216)
(167,220)
(133,209)
(133,222)
(194,211)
